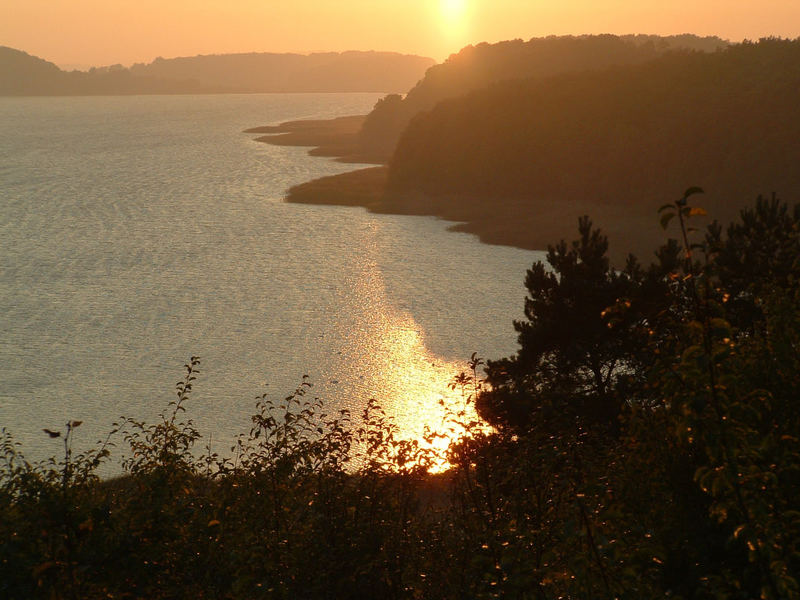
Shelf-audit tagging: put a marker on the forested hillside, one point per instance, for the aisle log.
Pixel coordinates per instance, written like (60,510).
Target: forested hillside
(475,67)
(24,75)
(23,72)
(621,139)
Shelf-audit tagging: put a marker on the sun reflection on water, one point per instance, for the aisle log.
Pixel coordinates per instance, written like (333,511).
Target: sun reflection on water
(413,385)
(417,392)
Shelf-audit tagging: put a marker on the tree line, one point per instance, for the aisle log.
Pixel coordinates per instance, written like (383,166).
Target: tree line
(728,120)
(476,67)
(22,74)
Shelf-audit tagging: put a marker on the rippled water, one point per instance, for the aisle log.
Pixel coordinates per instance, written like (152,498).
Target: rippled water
(137,231)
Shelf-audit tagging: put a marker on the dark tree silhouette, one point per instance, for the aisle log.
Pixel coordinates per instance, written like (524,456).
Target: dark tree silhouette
(581,343)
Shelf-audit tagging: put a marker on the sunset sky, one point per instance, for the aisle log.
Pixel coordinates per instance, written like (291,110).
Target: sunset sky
(82,33)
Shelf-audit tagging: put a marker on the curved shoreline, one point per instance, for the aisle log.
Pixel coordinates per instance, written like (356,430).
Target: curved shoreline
(333,138)
(526,223)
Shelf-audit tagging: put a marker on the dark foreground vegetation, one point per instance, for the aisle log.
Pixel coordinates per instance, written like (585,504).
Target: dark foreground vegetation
(646,444)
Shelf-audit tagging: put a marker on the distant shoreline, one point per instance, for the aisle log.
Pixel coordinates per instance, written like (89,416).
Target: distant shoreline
(526,223)
(22,74)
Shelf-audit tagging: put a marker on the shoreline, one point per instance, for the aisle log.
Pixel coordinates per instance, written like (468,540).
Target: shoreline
(331,138)
(526,223)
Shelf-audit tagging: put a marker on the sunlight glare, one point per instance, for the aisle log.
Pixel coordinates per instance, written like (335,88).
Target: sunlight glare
(454,16)
(453,9)
(389,347)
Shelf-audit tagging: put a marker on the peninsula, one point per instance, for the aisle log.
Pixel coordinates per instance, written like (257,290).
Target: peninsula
(518,161)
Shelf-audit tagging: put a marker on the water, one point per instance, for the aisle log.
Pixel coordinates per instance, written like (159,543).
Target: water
(138,231)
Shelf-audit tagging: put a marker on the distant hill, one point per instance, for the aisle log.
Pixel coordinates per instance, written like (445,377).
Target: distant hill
(476,67)
(319,72)
(23,74)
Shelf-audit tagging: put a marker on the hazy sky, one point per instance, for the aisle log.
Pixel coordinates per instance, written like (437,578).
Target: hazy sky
(103,32)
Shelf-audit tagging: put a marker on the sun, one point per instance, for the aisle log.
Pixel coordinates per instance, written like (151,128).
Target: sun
(453,9)
(453,14)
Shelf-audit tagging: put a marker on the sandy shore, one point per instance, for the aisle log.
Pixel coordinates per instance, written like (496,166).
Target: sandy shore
(528,223)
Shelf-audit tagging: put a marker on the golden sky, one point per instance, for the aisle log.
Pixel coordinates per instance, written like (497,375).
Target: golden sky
(102,32)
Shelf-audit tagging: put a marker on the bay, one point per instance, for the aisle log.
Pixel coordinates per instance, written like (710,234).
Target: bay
(139,231)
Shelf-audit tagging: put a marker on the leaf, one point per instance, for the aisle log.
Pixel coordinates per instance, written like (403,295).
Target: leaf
(666,218)
(52,434)
(213,522)
(74,424)
(696,211)
(666,207)
(692,191)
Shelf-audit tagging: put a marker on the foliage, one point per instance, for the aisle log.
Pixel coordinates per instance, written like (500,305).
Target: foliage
(582,345)
(686,487)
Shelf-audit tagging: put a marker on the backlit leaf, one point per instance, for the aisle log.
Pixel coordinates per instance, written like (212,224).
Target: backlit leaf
(666,218)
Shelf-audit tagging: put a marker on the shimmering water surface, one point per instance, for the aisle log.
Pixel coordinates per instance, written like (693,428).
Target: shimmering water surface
(138,231)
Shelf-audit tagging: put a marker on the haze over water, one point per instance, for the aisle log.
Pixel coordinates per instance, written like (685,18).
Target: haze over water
(138,231)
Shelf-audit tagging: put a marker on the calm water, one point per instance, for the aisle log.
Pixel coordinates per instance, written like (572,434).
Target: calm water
(138,231)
